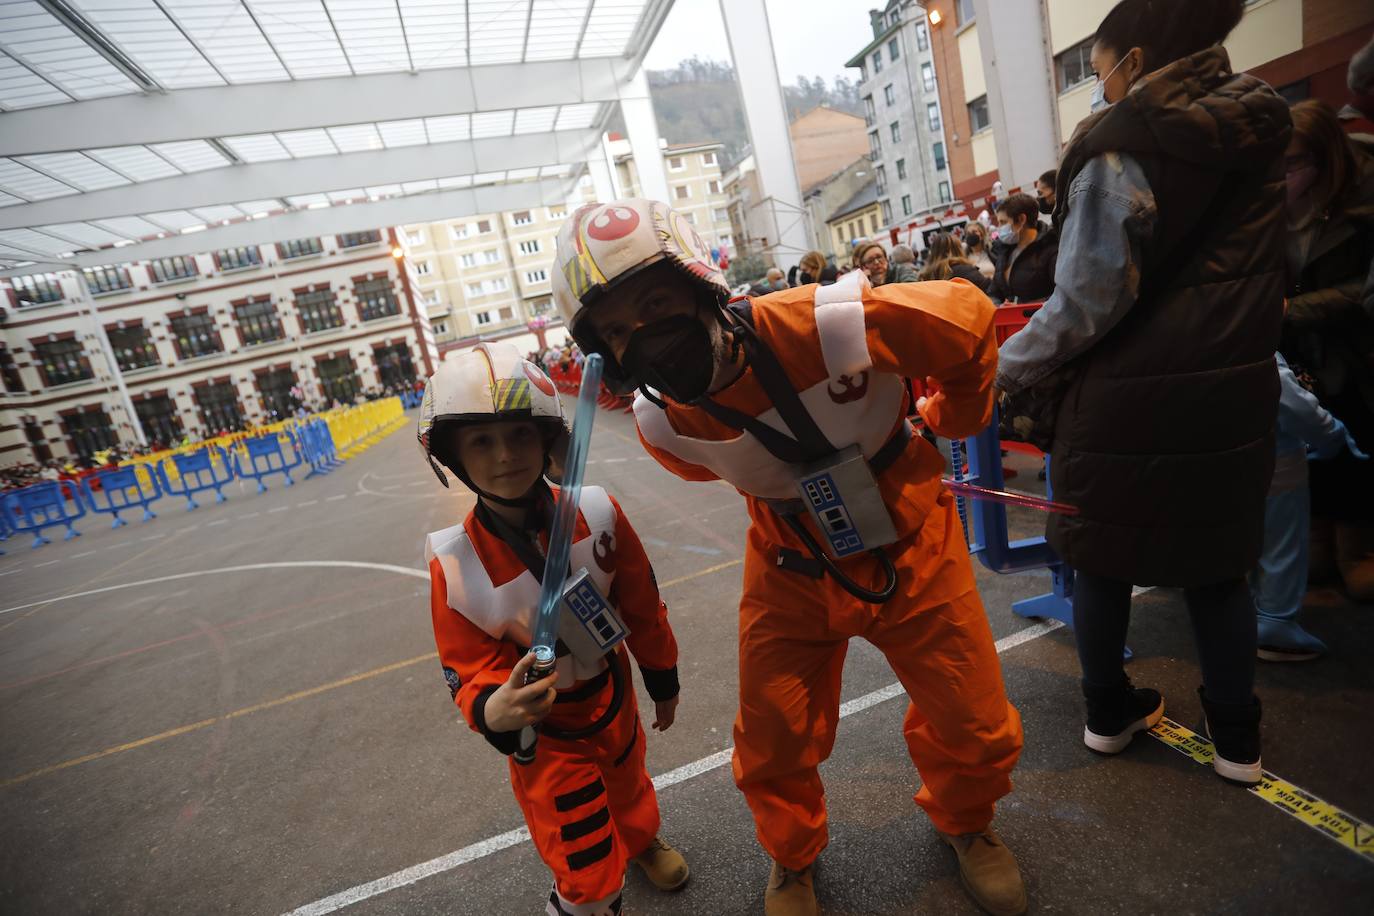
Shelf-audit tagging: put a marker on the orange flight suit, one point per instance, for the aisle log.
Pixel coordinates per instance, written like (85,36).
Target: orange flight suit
(961,732)
(589,803)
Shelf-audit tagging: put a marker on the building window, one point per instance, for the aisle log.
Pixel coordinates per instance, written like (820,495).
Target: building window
(682,192)
(160,420)
(468,260)
(415,236)
(875,146)
(491,256)
(168,270)
(536,276)
(896,129)
(540,306)
(376,299)
(922,37)
(887,211)
(708,159)
(505,313)
(422,268)
(257,321)
(893,51)
(101,280)
(720,215)
(274,390)
(90,431)
(878,61)
(483,226)
(358,239)
(713,186)
(394,366)
(978,114)
(945,195)
(965,10)
(298,248)
(440,328)
(894,17)
(906,204)
(675,164)
(928,77)
(238,258)
(938,152)
(521,218)
(691,218)
(533,246)
(558,212)
(61,362)
(933,115)
(9,372)
(195,335)
(870,112)
(460,231)
(133,347)
(497,284)
(318,310)
(889,95)
(880,179)
(37,289)
(475,289)
(338,379)
(901,169)
(873,222)
(481,318)
(219,407)
(1073,66)
(431,298)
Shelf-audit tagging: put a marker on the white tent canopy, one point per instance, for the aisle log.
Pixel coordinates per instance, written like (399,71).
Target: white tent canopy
(135,129)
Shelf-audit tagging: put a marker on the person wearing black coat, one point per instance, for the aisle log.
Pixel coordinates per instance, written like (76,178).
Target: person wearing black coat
(1157,347)
(1024,258)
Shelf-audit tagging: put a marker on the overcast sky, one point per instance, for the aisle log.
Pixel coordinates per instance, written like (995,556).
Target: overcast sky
(810,37)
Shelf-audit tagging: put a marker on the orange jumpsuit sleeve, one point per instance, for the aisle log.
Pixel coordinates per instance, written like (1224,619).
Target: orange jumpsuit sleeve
(635,593)
(474,663)
(684,469)
(942,330)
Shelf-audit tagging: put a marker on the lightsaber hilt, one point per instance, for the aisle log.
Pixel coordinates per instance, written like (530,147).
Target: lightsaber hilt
(545,661)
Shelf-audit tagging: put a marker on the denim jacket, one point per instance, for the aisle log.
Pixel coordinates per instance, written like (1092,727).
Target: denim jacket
(1111,216)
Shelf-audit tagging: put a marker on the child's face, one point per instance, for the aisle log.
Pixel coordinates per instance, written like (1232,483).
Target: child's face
(504,459)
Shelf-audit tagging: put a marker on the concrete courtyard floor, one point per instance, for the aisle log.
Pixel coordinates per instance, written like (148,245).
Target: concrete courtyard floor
(239,709)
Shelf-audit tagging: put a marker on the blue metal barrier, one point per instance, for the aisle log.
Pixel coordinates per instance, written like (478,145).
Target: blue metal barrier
(6,525)
(411,399)
(39,506)
(122,490)
(196,473)
(316,445)
(990,540)
(265,456)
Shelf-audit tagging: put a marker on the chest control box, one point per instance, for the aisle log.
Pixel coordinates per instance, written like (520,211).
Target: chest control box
(846,504)
(590,626)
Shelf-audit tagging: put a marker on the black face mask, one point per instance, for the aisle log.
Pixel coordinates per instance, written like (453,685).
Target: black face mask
(1046,206)
(675,356)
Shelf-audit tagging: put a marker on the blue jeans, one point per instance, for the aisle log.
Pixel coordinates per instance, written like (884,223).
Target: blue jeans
(1279,583)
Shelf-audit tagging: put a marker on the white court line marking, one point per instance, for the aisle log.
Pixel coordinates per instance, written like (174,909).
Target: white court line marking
(613,460)
(117,546)
(292,564)
(218,521)
(250,515)
(279,509)
(11,572)
(391,486)
(308,502)
(188,529)
(418,483)
(154,537)
(515,837)
(336,497)
(85,553)
(49,563)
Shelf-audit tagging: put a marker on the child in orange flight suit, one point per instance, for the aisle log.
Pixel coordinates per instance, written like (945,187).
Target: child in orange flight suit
(492,418)
(753,393)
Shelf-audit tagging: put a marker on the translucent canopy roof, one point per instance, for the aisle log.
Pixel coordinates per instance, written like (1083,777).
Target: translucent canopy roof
(224,97)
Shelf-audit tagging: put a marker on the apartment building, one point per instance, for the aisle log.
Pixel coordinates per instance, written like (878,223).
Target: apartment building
(858,218)
(696,186)
(900,90)
(197,344)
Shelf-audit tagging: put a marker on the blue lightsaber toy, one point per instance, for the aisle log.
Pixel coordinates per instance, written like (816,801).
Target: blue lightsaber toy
(560,540)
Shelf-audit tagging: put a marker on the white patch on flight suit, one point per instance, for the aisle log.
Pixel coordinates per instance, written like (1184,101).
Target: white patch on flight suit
(840,324)
(507,612)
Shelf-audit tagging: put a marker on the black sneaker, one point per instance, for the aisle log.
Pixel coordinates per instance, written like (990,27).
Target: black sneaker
(1235,733)
(1115,714)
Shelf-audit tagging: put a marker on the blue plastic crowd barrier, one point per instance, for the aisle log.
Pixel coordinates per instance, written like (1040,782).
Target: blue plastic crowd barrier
(990,541)
(6,525)
(121,490)
(411,399)
(265,456)
(39,506)
(316,445)
(196,473)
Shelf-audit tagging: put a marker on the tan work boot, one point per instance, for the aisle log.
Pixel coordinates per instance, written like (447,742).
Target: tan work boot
(989,872)
(789,893)
(664,866)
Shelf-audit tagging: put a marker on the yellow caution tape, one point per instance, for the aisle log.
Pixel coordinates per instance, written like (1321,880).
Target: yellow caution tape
(1341,826)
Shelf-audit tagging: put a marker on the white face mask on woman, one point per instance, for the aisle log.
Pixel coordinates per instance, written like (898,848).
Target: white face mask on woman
(1099,100)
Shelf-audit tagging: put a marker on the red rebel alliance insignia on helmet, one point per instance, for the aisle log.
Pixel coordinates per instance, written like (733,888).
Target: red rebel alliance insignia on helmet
(851,388)
(604,552)
(613,223)
(539,379)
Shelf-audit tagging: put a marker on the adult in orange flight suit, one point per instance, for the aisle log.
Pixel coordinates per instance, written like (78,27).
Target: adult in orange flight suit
(845,349)
(588,800)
